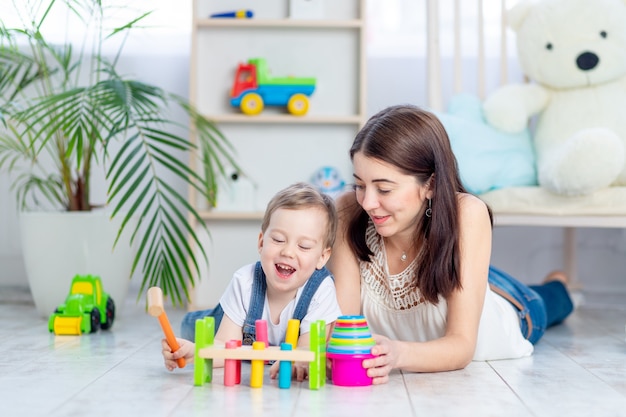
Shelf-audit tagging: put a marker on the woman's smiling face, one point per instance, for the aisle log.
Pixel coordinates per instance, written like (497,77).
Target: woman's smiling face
(394,201)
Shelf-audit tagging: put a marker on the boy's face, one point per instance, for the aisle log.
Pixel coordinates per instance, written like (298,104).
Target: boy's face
(292,248)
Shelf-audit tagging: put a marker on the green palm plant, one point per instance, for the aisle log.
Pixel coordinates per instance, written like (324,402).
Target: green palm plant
(65,109)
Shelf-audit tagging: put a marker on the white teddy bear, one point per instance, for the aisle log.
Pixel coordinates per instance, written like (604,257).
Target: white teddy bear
(574,53)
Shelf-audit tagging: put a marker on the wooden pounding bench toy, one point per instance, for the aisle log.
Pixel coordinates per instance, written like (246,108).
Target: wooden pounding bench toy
(258,353)
(350,343)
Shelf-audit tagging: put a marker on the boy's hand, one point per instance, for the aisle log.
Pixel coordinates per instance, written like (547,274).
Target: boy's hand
(186,350)
(274,370)
(299,370)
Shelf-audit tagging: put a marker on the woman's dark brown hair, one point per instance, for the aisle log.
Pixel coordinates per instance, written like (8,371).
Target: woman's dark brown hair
(415,141)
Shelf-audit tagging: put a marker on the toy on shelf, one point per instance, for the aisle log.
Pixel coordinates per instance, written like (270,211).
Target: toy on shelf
(236,14)
(86,309)
(156,309)
(328,180)
(254,88)
(258,353)
(350,343)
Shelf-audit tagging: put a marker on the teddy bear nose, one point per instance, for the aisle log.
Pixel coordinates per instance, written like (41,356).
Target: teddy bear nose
(587,61)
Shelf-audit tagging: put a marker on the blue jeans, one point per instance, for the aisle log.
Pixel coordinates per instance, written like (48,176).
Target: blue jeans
(538,306)
(188,325)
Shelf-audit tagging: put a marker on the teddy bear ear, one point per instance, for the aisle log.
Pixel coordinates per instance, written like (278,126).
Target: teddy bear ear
(516,14)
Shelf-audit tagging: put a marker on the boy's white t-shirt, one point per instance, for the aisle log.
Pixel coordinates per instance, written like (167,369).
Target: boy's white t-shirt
(236,301)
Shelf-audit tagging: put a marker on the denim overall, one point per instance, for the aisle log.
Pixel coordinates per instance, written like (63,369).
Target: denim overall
(255,309)
(538,306)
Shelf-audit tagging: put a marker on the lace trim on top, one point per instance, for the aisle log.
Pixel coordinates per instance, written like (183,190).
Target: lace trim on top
(396,292)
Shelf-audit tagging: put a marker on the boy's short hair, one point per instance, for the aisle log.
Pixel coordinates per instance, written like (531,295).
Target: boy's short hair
(302,196)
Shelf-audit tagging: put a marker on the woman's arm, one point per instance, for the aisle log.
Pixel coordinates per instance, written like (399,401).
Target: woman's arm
(343,264)
(455,349)
(466,305)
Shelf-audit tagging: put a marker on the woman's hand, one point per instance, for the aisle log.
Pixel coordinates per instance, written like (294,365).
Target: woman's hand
(186,350)
(387,354)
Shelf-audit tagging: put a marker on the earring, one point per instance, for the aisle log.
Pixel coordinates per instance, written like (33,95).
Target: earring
(429,210)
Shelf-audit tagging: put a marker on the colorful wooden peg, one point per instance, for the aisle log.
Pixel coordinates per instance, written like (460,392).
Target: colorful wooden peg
(238,369)
(231,376)
(260,328)
(284,369)
(293,332)
(317,368)
(203,368)
(256,367)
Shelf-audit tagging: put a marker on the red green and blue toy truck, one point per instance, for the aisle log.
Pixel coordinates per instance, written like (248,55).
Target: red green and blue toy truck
(86,309)
(254,88)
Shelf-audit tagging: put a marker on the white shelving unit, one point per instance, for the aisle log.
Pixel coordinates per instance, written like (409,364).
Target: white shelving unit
(274,148)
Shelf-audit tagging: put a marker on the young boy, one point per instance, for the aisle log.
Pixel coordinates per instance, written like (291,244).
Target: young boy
(297,234)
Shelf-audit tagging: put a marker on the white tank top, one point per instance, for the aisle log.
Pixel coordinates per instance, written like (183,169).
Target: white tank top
(394,308)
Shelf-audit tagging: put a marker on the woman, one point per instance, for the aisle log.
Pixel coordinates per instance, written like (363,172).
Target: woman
(412,254)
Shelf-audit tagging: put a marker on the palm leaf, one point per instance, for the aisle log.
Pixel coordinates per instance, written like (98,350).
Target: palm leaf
(122,124)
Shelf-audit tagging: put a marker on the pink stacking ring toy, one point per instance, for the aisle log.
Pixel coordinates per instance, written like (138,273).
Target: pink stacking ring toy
(350,343)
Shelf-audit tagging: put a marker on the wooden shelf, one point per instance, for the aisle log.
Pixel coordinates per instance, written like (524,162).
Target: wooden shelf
(279,23)
(230,215)
(287,119)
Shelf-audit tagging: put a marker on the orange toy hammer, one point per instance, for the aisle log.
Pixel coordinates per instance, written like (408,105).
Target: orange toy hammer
(155,309)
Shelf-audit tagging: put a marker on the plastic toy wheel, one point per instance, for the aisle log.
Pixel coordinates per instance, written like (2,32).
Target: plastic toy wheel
(251,104)
(109,315)
(298,104)
(95,320)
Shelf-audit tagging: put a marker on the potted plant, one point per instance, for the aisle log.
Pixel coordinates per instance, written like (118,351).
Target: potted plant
(65,111)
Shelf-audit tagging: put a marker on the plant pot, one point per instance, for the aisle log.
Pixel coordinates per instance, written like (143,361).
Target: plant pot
(58,245)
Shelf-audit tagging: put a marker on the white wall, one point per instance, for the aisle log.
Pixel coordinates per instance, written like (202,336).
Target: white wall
(526,252)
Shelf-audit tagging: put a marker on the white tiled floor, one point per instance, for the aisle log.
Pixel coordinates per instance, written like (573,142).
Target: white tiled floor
(578,369)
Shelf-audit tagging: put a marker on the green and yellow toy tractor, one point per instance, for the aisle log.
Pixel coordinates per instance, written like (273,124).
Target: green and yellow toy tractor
(86,309)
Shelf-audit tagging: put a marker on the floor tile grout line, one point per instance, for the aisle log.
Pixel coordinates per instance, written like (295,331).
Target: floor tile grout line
(515,393)
(408,395)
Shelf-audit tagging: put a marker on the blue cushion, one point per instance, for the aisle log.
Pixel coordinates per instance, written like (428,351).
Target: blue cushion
(488,158)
